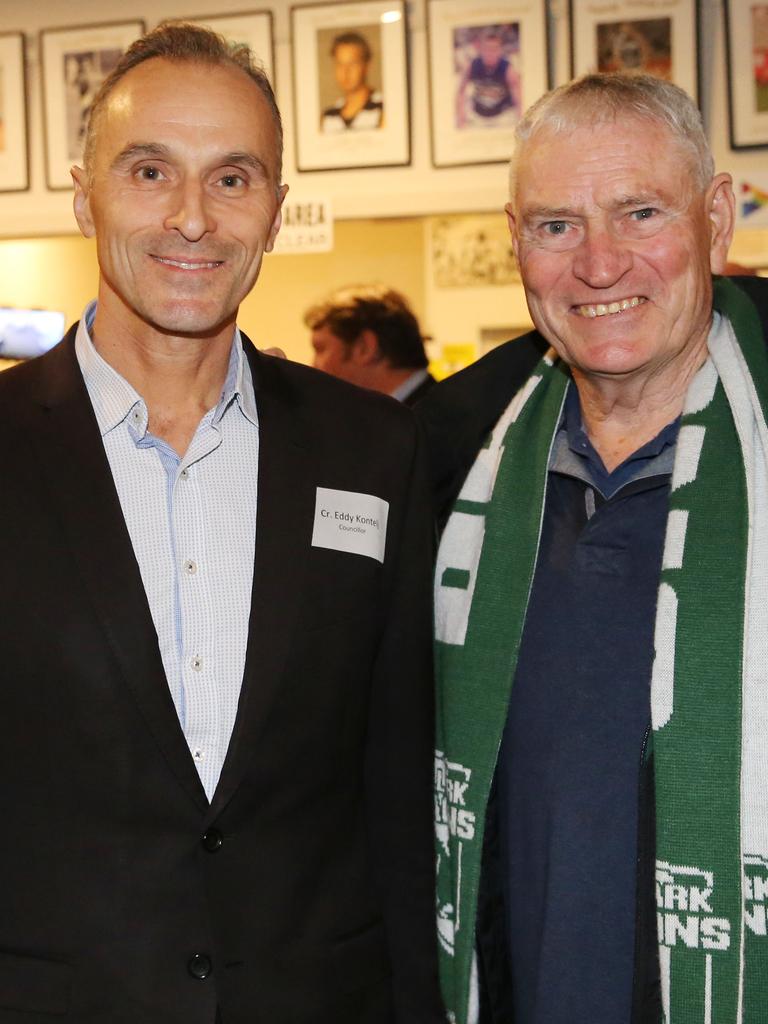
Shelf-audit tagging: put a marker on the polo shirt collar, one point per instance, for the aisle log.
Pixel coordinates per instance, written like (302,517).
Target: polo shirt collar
(574,455)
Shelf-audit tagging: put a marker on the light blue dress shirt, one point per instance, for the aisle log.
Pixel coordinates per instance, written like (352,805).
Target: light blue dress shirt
(192,523)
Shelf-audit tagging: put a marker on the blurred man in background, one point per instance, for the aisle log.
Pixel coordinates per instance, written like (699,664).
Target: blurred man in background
(369,336)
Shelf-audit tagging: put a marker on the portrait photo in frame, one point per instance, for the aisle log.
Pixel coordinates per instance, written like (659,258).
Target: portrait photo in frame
(746,34)
(487,64)
(254,28)
(14,146)
(630,36)
(74,63)
(350,85)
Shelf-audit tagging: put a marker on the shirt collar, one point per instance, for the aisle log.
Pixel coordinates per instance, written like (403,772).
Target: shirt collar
(238,384)
(409,385)
(574,455)
(114,399)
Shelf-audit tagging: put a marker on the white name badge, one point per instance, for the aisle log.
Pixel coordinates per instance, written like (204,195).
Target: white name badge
(348,521)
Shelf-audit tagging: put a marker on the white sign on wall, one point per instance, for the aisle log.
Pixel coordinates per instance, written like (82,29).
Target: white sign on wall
(307,226)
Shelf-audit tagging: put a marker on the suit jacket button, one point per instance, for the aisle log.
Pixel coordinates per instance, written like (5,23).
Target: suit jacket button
(200,966)
(212,840)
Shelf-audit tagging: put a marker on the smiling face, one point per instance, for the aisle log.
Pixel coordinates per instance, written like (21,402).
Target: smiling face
(182,199)
(616,245)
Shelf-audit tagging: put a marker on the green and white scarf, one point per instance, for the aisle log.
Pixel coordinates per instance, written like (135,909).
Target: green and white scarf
(709,692)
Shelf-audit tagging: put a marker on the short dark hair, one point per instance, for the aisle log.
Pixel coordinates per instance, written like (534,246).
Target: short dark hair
(352,39)
(356,308)
(181,41)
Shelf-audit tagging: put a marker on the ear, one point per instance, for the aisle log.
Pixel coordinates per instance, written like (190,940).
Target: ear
(721,209)
(512,225)
(281,194)
(364,350)
(82,202)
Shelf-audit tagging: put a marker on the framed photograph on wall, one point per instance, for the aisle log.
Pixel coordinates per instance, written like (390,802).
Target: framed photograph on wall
(14,146)
(746,34)
(350,85)
(74,63)
(629,36)
(487,63)
(254,28)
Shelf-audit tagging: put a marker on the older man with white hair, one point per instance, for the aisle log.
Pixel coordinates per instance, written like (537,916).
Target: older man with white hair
(602,806)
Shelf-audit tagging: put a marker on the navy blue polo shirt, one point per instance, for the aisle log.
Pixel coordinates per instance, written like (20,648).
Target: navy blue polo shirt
(569,763)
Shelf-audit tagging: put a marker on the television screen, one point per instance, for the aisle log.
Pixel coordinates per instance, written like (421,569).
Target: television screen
(25,333)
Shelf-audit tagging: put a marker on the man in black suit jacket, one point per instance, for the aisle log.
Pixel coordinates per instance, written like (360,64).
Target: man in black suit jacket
(369,335)
(293,882)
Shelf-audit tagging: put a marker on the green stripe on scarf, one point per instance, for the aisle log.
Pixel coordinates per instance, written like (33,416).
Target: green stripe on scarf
(484,572)
(698,734)
(476,675)
(697,754)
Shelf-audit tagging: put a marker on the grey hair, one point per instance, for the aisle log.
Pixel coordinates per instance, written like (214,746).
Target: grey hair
(599,99)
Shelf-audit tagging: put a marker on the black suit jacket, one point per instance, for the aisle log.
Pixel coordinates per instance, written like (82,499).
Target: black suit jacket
(303,893)
(421,391)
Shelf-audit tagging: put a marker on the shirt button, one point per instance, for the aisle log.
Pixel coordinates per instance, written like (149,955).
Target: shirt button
(212,840)
(190,567)
(198,754)
(197,663)
(184,474)
(199,966)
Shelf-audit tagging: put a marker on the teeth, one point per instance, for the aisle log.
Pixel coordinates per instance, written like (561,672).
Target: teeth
(600,309)
(187,266)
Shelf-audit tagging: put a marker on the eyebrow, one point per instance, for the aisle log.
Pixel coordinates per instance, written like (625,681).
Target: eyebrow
(549,212)
(139,150)
(157,151)
(246,160)
(564,212)
(640,199)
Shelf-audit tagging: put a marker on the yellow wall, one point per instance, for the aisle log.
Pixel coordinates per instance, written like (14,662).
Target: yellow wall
(390,251)
(53,273)
(62,273)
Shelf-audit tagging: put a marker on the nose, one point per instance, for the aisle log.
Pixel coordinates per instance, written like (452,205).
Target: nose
(191,214)
(601,258)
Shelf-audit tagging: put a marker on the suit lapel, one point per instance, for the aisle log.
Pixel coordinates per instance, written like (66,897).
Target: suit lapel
(285,491)
(76,469)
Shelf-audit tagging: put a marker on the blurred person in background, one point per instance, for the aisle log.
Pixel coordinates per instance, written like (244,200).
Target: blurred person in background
(369,335)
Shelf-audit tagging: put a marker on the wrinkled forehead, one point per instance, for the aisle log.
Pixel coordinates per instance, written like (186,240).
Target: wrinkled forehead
(596,124)
(561,146)
(160,99)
